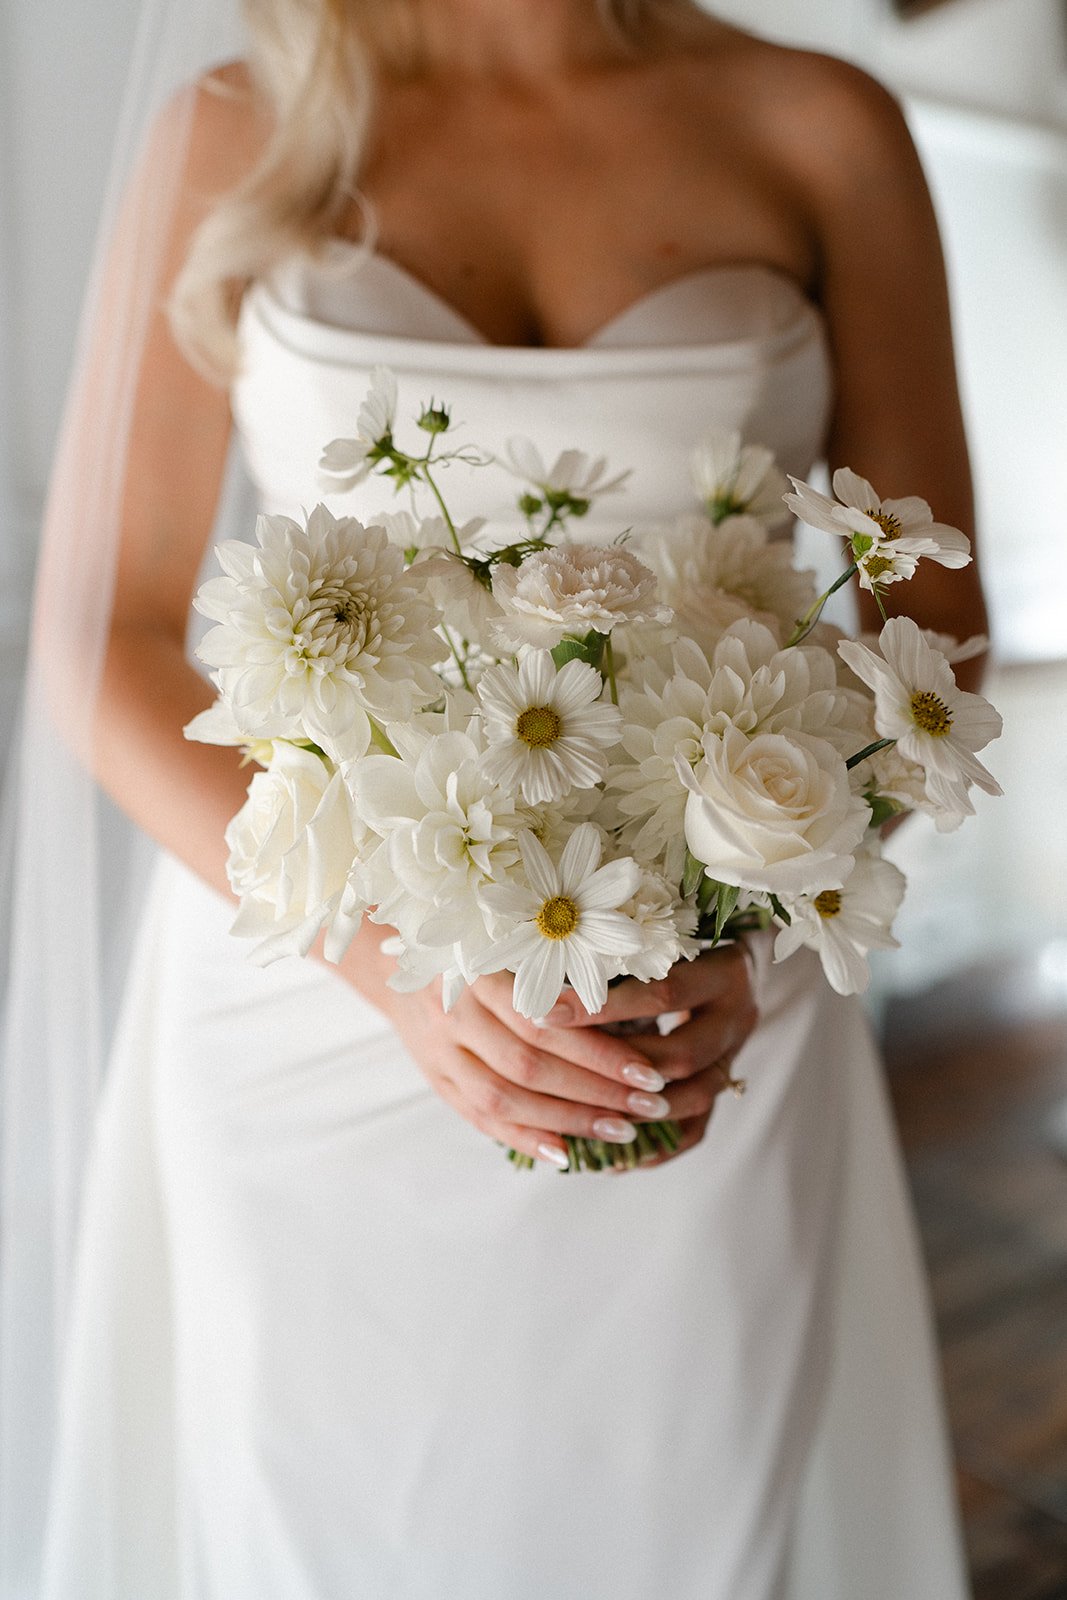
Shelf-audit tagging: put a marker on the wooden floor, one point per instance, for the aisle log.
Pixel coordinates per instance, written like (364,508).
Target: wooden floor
(978,1068)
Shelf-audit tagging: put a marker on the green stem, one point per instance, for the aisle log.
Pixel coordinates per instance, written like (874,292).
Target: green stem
(428,479)
(609,671)
(457,658)
(870,750)
(814,612)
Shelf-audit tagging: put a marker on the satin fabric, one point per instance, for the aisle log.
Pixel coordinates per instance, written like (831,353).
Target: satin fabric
(327,1342)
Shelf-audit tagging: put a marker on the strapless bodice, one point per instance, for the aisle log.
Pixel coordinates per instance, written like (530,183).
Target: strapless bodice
(731,346)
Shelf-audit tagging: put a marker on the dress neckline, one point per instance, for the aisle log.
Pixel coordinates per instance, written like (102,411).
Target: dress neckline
(349,255)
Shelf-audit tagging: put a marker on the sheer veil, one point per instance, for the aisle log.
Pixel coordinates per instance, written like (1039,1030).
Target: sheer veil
(72,866)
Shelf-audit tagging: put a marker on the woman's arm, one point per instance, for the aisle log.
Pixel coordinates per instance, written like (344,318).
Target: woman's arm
(897,417)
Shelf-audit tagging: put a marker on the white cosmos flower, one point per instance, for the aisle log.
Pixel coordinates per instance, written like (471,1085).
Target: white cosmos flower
(774,812)
(563,924)
(318,628)
(547,730)
(936,724)
(347,462)
(467,605)
(735,479)
(844,924)
(888,537)
(413,533)
(573,589)
(297,851)
(712,576)
(573,475)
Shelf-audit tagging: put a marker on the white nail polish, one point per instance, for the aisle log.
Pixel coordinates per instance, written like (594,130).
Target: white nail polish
(614,1130)
(649,1105)
(644,1077)
(558,1158)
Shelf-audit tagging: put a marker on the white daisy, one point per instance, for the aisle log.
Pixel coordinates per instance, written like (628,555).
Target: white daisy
(573,589)
(844,924)
(888,537)
(563,924)
(917,702)
(347,462)
(547,730)
(318,629)
(734,479)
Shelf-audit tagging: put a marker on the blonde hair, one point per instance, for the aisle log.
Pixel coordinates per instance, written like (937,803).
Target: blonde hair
(313,62)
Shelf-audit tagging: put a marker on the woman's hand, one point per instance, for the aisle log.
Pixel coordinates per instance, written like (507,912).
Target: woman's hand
(525,1084)
(713,995)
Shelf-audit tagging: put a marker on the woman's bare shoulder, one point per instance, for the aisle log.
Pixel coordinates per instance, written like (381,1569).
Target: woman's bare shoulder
(222,119)
(826,116)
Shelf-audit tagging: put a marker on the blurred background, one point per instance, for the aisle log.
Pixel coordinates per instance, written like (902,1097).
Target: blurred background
(973,1009)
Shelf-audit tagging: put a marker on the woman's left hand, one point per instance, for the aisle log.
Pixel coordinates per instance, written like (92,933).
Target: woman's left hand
(713,995)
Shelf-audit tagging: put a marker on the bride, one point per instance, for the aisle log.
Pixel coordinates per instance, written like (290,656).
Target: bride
(324,1342)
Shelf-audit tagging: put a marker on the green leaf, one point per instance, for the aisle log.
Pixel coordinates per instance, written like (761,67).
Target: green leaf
(779,910)
(882,808)
(861,543)
(725,906)
(589,649)
(693,875)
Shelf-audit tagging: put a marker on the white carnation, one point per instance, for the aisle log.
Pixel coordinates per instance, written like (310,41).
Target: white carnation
(573,590)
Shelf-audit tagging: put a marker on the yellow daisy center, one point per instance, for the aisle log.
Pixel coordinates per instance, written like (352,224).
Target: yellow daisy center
(558,917)
(930,713)
(538,726)
(891,526)
(828,904)
(875,567)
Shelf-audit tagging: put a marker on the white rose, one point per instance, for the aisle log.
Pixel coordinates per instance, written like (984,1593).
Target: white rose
(293,846)
(573,589)
(774,812)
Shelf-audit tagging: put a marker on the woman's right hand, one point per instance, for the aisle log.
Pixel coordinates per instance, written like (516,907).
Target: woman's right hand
(522,1083)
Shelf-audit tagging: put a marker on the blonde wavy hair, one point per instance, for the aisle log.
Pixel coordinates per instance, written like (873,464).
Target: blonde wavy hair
(313,63)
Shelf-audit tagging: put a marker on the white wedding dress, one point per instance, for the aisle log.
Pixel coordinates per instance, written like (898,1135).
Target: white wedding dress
(329,1344)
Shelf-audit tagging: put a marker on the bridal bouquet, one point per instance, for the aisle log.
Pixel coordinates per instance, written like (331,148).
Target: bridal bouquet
(574,762)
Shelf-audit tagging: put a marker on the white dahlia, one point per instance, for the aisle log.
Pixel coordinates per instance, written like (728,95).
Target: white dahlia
(319,628)
(712,576)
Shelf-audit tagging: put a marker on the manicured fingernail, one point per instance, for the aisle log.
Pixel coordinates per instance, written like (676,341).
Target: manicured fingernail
(563,1011)
(614,1130)
(558,1158)
(648,1105)
(644,1077)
